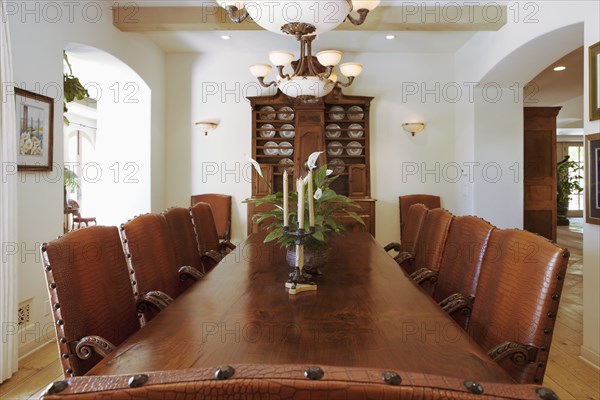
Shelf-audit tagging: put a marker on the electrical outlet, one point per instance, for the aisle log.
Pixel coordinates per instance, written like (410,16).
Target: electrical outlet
(47,307)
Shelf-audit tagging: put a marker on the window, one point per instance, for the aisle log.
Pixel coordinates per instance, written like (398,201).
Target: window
(576,154)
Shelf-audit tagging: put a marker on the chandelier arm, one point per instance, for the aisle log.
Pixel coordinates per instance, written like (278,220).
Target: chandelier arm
(281,74)
(327,73)
(261,80)
(232,12)
(350,81)
(363,12)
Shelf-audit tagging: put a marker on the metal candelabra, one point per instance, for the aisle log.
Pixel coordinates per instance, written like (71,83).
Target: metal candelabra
(299,281)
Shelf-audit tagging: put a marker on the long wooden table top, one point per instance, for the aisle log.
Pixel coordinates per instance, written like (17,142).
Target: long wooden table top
(366,313)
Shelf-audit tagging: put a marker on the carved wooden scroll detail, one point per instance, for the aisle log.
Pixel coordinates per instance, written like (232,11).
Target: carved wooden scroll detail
(85,347)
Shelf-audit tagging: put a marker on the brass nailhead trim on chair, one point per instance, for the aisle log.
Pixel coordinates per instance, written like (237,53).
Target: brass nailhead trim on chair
(546,394)
(314,373)
(137,380)
(224,372)
(474,387)
(56,387)
(392,378)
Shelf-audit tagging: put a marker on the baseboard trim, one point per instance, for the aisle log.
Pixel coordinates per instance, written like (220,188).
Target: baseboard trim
(590,357)
(36,344)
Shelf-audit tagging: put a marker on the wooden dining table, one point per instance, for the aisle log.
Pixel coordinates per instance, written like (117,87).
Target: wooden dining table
(366,313)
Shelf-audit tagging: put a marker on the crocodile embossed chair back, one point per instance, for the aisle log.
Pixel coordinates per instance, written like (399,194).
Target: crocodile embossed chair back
(517,300)
(151,254)
(408,200)
(221,209)
(92,299)
(432,238)
(182,232)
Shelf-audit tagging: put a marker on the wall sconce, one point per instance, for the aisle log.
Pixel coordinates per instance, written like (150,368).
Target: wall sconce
(413,127)
(207,126)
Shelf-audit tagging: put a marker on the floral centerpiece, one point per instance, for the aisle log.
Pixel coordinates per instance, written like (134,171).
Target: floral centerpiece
(327,205)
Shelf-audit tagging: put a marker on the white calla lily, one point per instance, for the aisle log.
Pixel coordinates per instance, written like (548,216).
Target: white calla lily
(318,194)
(312,160)
(256,166)
(328,172)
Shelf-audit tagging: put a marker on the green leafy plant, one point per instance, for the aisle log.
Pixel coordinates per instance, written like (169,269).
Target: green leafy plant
(328,204)
(72,88)
(71,180)
(568,180)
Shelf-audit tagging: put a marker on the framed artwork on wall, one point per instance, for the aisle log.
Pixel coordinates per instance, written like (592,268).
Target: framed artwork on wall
(594,79)
(35,130)
(592,183)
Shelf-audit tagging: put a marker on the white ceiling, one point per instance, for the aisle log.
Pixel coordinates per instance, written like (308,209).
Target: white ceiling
(264,42)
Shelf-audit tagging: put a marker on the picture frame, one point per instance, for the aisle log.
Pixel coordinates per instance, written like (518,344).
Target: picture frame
(592,182)
(35,130)
(594,61)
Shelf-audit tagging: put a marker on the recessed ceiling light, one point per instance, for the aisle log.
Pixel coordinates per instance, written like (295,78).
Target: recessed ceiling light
(225,37)
(560,68)
(390,37)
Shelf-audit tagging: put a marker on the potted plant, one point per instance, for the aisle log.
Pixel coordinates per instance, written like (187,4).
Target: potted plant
(568,184)
(327,205)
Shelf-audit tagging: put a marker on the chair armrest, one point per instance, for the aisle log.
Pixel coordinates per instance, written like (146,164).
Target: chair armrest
(156,300)
(403,257)
(85,347)
(519,353)
(187,272)
(227,246)
(213,256)
(392,246)
(423,275)
(458,302)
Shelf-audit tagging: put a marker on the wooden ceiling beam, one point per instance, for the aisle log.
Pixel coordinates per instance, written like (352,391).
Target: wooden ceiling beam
(133,18)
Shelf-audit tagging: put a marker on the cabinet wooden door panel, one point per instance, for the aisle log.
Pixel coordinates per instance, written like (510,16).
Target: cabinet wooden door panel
(358,179)
(540,181)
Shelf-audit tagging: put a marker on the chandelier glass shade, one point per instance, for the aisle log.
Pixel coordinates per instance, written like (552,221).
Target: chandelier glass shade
(312,77)
(299,17)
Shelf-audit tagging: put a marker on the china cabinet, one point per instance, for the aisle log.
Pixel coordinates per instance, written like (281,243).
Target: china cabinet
(286,131)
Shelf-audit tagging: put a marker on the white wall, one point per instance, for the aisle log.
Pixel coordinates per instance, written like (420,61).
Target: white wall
(219,84)
(590,350)
(39,34)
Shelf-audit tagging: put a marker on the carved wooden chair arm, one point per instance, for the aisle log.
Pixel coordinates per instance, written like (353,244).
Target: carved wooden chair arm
(423,275)
(155,300)
(392,246)
(458,302)
(227,246)
(212,256)
(403,257)
(519,353)
(85,347)
(187,272)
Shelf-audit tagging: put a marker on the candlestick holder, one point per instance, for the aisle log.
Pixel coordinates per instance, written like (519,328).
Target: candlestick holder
(299,281)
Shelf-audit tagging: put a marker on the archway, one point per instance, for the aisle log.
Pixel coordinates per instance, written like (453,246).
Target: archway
(115,171)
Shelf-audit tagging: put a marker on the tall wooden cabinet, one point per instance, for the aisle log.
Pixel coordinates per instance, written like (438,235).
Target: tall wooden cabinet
(286,131)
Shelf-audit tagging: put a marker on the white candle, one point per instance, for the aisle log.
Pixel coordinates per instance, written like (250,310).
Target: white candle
(286,221)
(300,189)
(311,201)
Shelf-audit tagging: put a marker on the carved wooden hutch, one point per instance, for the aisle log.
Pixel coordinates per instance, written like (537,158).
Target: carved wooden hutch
(286,131)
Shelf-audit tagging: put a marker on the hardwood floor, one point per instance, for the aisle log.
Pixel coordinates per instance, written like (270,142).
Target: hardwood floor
(568,375)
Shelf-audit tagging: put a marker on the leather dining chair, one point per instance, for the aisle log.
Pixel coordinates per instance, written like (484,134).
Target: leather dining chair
(181,228)
(211,249)
(517,300)
(151,255)
(457,279)
(93,304)
(410,236)
(430,247)
(221,209)
(406,201)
